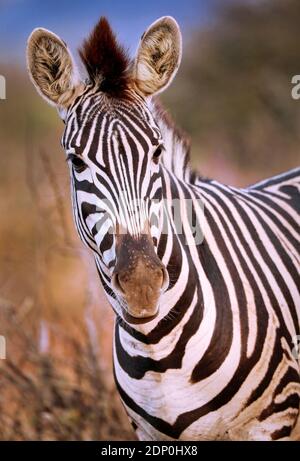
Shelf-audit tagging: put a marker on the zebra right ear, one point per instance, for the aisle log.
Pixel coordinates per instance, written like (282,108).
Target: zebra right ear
(51,68)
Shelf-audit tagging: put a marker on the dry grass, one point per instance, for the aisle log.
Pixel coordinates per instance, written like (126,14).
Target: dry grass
(57,392)
(56,383)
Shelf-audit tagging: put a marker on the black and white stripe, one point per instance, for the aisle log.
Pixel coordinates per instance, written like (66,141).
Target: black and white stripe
(217,362)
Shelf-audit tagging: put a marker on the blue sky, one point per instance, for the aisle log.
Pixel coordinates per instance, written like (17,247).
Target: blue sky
(72,20)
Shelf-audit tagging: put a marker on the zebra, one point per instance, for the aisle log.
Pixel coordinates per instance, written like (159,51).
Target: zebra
(205,338)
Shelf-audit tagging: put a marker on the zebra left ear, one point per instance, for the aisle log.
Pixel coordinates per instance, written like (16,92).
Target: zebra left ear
(158,56)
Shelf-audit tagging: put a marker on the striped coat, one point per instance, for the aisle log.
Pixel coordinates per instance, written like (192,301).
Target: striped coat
(222,366)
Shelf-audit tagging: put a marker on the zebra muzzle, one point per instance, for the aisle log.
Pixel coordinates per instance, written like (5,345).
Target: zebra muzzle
(139,278)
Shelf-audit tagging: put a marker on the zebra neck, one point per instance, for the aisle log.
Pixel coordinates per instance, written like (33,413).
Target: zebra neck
(176,143)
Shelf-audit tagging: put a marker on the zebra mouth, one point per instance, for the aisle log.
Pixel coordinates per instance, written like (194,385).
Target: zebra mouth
(138,320)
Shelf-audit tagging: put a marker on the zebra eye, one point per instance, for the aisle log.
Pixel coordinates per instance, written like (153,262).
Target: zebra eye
(77,163)
(157,154)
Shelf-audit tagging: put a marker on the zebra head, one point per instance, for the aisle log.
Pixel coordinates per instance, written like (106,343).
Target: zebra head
(113,146)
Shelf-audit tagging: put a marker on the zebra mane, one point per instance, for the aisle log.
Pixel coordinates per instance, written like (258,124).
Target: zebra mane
(106,61)
(177,156)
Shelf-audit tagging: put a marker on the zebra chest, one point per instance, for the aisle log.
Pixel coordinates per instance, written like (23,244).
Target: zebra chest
(157,395)
(161,407)
(151,402)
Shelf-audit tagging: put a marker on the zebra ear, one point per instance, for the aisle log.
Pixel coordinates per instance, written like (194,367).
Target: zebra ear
(158,56)
(51,68)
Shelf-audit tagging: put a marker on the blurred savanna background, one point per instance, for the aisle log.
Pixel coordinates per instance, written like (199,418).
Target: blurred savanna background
(232,96)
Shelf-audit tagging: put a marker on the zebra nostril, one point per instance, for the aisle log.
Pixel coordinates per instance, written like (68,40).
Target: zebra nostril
(115,281)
